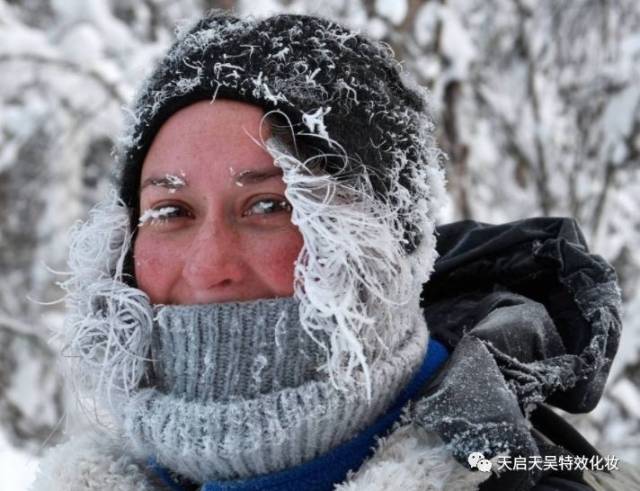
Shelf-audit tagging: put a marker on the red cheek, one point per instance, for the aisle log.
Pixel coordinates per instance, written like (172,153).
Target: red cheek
(154,268)
(267,263)
(278,263)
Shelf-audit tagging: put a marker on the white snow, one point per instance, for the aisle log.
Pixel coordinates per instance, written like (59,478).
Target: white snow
(83,44)
(628,395)
(394,10)
(260,8)
(456,42)
(618,120)
(377,28)
(17,468)
(424,28)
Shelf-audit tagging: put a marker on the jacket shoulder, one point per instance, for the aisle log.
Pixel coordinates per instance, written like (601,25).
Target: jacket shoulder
(412,459)
(90,462)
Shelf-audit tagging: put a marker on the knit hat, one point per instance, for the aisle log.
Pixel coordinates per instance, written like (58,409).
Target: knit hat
(351,109)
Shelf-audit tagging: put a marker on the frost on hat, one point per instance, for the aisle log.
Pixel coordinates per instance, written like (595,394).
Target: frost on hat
(342,93)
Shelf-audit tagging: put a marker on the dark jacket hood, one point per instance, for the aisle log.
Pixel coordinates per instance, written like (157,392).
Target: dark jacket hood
(531,318)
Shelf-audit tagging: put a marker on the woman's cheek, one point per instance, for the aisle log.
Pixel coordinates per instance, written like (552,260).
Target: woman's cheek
(278,262)
(154,267)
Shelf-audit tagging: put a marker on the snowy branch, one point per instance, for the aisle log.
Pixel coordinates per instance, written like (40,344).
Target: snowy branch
(38,59)
(19,327)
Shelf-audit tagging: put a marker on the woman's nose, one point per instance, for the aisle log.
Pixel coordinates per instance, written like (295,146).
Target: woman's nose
(213,260)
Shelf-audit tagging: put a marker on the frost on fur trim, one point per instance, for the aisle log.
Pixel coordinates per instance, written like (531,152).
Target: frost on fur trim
(107,329)
(353,276)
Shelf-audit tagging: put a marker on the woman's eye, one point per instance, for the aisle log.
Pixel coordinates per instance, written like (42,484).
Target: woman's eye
(268,206)
(161,214)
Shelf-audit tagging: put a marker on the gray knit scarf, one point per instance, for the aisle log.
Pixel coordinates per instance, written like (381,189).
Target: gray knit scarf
(237,391)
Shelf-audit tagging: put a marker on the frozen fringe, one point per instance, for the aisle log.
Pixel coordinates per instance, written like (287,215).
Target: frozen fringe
(353,274)
(107,332)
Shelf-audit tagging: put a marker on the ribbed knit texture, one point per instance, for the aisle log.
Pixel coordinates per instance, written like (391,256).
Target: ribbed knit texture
(237,394)
(331,468)
(217,353)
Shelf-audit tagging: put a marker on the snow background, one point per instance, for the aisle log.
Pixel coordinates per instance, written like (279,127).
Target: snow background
(538,108)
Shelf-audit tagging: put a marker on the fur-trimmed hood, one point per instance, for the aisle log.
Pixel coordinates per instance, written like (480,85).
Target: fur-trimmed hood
(410,459)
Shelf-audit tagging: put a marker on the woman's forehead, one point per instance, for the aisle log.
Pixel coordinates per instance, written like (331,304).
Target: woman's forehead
(224,137)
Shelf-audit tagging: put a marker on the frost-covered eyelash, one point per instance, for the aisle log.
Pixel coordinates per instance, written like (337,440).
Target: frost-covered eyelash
(164,212)
(155,214)
(283,204)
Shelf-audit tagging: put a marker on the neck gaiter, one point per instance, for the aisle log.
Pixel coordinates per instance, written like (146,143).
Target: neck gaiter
(237,391)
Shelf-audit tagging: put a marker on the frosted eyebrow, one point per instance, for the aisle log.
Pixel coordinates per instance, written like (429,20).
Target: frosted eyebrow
(168,181)
(256,176)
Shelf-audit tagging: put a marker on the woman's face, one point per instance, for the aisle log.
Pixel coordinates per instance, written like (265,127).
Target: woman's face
(215,225)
